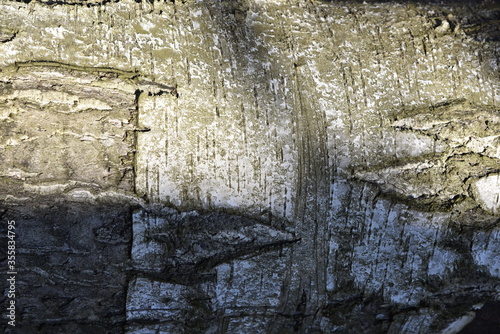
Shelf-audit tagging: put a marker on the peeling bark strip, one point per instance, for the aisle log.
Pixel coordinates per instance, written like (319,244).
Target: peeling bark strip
(81,113)
(469,137)
(67,127)
(189,263)
(186,248)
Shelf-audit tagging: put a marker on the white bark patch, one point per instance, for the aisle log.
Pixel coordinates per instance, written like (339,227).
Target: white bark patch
(487,193)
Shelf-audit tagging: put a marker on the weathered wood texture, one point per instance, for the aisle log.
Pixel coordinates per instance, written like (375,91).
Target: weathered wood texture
(294,166)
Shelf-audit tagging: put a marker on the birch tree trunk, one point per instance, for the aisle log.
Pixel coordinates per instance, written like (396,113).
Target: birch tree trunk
(250,166)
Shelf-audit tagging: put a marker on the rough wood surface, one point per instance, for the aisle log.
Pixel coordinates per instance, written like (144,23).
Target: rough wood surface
(251,166)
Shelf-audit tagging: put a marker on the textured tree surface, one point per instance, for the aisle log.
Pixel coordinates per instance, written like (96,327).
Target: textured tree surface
(251,166)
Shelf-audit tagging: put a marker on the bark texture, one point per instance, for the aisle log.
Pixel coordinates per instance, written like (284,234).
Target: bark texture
(251,166)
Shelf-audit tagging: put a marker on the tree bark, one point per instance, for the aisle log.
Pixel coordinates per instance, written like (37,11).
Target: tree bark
(250,166)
